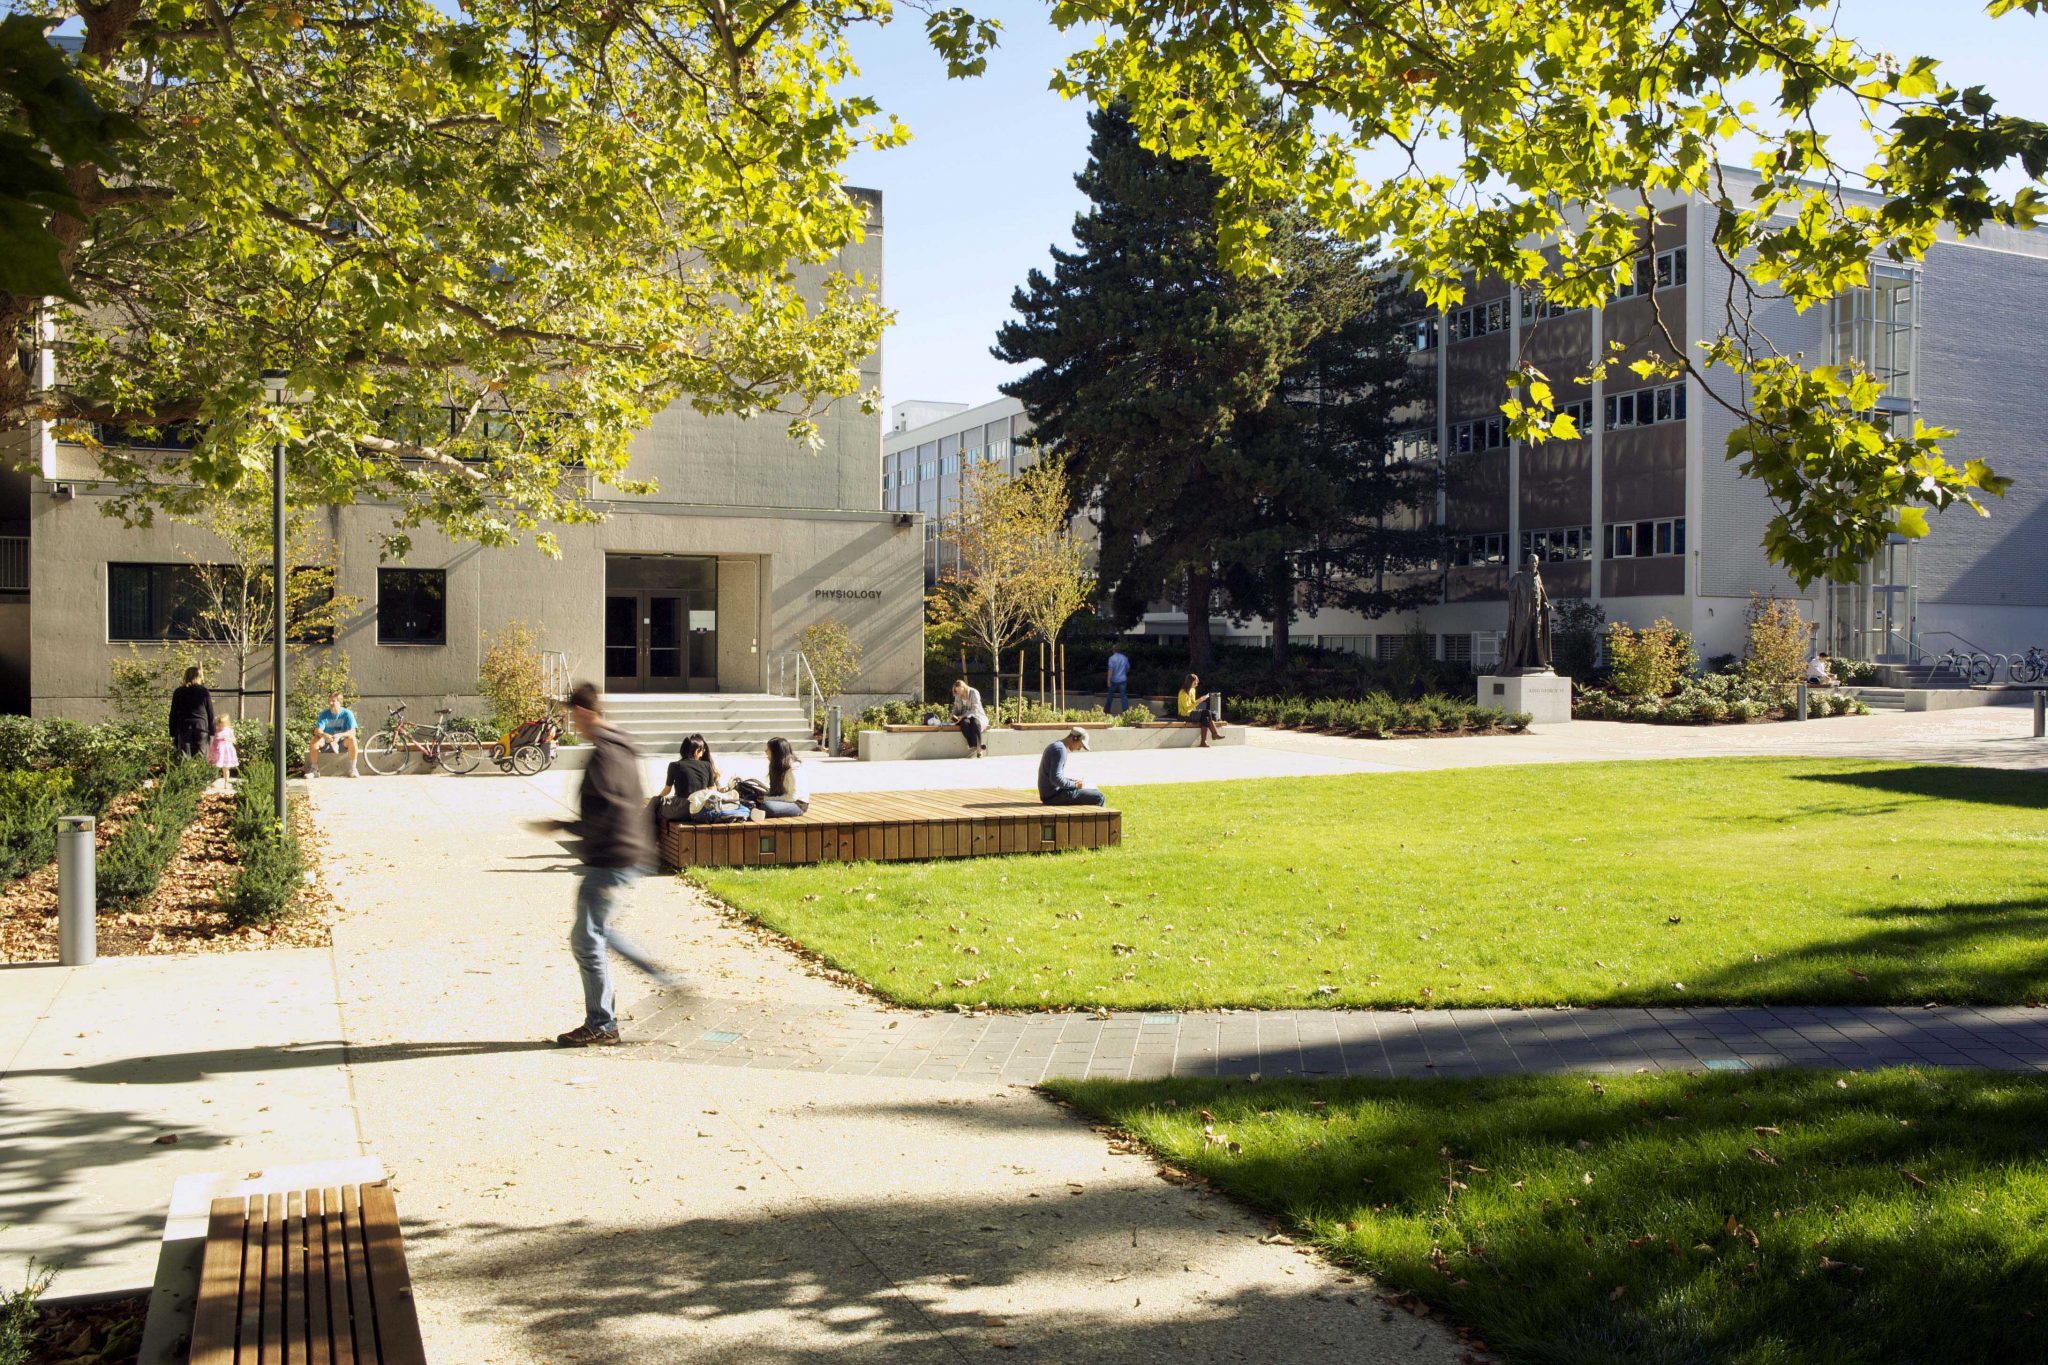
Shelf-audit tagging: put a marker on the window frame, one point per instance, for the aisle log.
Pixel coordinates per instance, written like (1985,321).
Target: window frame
(421,574)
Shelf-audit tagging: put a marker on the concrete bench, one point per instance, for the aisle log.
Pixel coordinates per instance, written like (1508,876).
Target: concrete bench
(919,742)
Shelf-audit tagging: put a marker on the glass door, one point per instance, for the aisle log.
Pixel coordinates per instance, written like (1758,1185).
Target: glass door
(622,642)
(661,617)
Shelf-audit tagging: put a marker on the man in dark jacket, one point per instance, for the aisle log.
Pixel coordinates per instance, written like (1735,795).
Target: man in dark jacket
(191,715)
(616,849)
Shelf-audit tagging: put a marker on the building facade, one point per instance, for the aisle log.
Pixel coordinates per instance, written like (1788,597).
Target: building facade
(703,585)
(922,453)
(1643,513)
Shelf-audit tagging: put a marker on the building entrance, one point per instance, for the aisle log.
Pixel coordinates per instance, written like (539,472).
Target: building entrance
(661,623)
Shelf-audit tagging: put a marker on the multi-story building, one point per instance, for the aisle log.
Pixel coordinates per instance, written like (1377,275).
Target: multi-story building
(924,449)
(700,586)
(1643,513)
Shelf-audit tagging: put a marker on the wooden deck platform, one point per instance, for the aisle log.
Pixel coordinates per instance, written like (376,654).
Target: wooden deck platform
(845,827)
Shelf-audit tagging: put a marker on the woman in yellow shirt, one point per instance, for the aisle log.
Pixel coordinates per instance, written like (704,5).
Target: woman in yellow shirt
(1199,707)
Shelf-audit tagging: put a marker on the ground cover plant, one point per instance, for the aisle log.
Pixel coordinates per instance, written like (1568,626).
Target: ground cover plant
(1379,716)
(1784,1217)
(134,859)
(1614,883)
(271,870)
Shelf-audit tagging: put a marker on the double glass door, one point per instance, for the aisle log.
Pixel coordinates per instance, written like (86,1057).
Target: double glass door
(659,639)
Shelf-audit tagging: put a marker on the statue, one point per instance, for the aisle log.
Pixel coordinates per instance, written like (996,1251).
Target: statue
(1527,647)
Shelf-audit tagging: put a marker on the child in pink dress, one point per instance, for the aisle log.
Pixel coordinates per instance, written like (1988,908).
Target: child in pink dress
(220,750)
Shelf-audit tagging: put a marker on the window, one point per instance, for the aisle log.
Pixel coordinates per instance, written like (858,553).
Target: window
(1422,335)
(412,606)
(1580,410)
(1666,403)
(1644,539)
(153,602)
(1557,545)
(1671,267)
(1479,319)
(1386,648)
(1874,327)
(1458,649)
(1415,446)
(1662,271)
(169,436)
(1485,547)
(1487,433)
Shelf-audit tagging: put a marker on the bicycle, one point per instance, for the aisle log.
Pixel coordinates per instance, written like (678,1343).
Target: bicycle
(451,747)
(529,749)
(2030,667)
(1956,661)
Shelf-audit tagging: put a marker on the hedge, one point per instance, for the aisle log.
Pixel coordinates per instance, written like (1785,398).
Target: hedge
(266,885)
(1710,699)
(1377,715)
(133,861)
(30,803)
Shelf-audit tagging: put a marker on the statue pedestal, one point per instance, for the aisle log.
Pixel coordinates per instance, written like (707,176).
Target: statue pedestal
(1547,697)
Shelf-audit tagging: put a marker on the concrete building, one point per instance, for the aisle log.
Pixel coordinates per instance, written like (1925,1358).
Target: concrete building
(1644,513)
(702,586)
(923,451)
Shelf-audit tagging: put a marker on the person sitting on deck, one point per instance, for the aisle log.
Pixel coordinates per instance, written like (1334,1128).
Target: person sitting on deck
(789,791)
(692,772)
(1055,788)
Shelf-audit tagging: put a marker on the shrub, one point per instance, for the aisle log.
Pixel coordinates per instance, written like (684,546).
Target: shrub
(30,803)
(1711,709)
(1679,712)
(834,657)
(1647,662)
(1137,713)
(134,859)
(139,684)
(1854,672)
(1748,708)
(1575,637)
(271,870)
(512,678)
(18,1316)
(1774,656)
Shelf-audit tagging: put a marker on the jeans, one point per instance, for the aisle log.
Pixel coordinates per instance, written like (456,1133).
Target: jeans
(1076,796)
(780,809)
(592,934)
(718,815)
(1119,698)
(971,728)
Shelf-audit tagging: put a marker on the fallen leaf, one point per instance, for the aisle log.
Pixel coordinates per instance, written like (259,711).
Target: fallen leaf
(1762,1130)
(1619,1290)
(1912,1179)
(1761,1155)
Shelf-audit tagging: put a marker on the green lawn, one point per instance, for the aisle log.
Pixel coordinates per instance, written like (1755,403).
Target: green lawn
(1614,883)
(1761,1219)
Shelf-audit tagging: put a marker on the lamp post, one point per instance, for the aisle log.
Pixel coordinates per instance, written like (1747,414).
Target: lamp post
(274,391)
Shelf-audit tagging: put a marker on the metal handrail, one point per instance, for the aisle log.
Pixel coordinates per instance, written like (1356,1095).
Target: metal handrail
(792,672)
(1975,648)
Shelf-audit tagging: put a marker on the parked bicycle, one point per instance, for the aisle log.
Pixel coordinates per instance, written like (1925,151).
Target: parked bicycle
(1956,661)
(451,747)
(2030,667)
(530,748)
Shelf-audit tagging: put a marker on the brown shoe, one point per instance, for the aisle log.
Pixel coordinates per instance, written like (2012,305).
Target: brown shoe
(583,1035)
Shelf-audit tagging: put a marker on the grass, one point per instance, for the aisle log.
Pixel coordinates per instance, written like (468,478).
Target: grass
(1780,1218)
(1714,880)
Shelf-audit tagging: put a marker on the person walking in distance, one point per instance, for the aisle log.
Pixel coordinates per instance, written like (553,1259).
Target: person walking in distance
(1118,697)
(616,848)
(191,715)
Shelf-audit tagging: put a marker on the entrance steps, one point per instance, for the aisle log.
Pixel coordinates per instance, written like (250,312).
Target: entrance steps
(729,721)
(1881,698)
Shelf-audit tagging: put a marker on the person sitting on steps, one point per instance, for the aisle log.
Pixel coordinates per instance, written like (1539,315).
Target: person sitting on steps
(334,732)
(1199,707)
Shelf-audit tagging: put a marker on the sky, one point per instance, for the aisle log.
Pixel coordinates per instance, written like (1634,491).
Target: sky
(985,187)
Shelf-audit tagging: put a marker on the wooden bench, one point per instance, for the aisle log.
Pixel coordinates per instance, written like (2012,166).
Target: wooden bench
(846,827)
(313,1277)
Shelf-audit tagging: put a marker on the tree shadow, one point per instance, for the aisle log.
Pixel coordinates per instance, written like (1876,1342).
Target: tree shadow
(1982,786)
(186,1068)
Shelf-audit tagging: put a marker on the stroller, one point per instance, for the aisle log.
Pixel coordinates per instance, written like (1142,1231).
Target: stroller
(529,749)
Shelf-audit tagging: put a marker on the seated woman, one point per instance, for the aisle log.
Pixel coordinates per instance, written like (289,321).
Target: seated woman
(691,772)
(789,791)
(1199,707)
(969,715)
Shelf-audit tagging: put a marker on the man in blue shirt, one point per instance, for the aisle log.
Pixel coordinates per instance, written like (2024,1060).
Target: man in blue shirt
(1055,788)
(1119,681)
(334,730)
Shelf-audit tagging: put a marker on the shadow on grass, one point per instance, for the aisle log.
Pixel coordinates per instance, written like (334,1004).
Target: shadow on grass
(1656,1220)
(1984,786)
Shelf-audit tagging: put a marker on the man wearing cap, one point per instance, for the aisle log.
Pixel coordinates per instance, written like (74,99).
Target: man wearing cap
(1055,788)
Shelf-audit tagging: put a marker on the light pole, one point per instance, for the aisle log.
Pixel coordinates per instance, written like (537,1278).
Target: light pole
(274,391)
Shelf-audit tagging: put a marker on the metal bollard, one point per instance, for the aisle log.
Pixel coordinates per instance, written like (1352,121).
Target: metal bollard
(2040,713)
(77,925)
(1800,714)
(832,730)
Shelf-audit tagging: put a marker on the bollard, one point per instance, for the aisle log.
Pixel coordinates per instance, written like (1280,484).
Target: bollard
(832,728)
(1800,714)
(77,928)
(2040,714)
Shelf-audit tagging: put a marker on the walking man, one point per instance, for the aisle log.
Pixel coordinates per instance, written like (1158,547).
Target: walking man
(616,849)
(1055,788)
(1119,697)
(191,714)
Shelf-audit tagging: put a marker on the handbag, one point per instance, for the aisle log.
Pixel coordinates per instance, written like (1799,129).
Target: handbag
(751,790)
(708,798)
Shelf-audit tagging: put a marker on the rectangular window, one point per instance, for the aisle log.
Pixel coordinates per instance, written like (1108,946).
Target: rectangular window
(153,602)
(1663,405)
(1495,438)
(1624,538)
(412,606)
(1663,537)
(1678,535)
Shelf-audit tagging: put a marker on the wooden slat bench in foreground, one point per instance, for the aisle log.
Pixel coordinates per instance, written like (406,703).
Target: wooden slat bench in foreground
(313,1277)
(846,827)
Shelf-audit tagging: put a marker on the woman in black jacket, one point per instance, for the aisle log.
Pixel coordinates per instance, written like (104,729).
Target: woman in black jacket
(191,715)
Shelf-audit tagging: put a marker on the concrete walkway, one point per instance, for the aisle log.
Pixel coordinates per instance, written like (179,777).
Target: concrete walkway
(778,1169)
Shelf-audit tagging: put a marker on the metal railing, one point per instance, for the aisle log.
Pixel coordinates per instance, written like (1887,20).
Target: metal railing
(792,675)
(554,669)
(13,563)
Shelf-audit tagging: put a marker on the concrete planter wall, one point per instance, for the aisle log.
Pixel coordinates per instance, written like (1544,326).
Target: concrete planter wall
(878,745)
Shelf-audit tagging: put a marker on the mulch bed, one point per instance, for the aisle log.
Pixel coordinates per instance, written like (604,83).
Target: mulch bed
(184,915)
(106,1332)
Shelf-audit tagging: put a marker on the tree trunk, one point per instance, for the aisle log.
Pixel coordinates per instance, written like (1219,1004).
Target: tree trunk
(1282,579)
(1200,589)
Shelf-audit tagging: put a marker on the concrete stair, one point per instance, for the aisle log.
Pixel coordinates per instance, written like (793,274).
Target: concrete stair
(1881,698)
(729,721)
(1923,675)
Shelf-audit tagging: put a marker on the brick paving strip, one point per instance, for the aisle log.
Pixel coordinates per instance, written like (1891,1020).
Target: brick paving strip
(1025,1049)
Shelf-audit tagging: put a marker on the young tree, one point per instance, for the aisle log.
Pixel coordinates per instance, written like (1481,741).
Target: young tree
(1527,126)
(234,606)
(512,677)
(485,243)
(1061,583)
(1326,510)
(1149,350)
(834,657)
(998,574)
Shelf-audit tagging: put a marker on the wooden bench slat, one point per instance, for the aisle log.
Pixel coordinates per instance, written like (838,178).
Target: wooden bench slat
(340,1319)
(362,1313)
(272,1347)
(296,1330)
(214,1316)
(319,1330)
(398,1321)
(249,1341)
